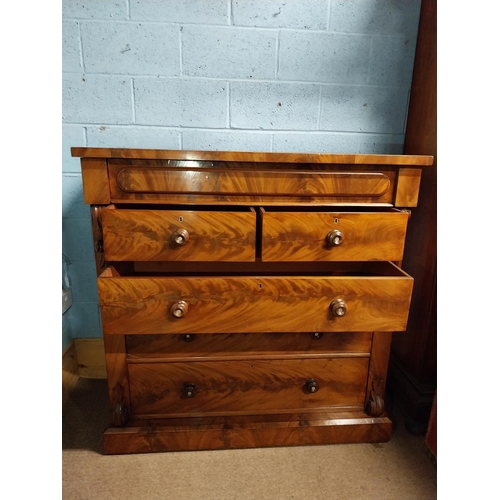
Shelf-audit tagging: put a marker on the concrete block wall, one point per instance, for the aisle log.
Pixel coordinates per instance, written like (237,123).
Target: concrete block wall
(251,75)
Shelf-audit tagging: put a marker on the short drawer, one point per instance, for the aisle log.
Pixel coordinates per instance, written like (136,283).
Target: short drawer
(332,236)
(179,235)
(227,387)
(190,346)
(364,301)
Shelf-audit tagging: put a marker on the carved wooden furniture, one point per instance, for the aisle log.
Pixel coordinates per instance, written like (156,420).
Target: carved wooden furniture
(248,299)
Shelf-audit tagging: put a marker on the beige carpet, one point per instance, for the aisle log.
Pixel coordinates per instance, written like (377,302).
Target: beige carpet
(399,470)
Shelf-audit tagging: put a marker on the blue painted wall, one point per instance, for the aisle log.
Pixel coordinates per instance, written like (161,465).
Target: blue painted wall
(252,75)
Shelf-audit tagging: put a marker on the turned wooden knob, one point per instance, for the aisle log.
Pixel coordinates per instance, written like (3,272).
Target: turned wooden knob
(189,390)
(312,385)
(316,335)
(189,337)
(334,238)
(338,307)
(180,237)
(179,309)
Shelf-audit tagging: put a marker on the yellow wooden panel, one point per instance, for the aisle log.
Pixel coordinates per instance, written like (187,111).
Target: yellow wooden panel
(408,187)
(95,181)
(90,356)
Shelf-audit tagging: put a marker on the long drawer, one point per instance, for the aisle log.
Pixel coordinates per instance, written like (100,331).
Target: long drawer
(192,347)
(246,304)
(159,389)
(332,235)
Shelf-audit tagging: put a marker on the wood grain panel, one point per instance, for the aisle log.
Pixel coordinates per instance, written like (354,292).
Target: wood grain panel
(95,181)
(216,199)
(253,304)
(377,373)
(256,157)
(301,236)
(235,386)
(251,182)
(245,345)
(408,187)
(118,383)
(144,235)
(251,431)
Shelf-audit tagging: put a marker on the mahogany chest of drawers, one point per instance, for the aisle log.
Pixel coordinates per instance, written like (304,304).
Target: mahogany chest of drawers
(248,299)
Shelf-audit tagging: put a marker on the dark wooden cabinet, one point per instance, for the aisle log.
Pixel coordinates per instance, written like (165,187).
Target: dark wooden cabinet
(248,299)
(413,365)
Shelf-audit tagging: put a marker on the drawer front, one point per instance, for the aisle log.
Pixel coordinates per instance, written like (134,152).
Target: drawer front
(333,236)
(191,346)
(222,185)
(179,235)
(253,304)
(243,386)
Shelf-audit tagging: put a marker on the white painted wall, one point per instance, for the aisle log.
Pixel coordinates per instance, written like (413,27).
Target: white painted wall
(252,75)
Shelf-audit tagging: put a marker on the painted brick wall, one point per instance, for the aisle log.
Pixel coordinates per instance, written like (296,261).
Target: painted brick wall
(251,75)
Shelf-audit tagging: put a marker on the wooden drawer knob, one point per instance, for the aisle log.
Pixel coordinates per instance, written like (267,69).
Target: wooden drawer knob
(189,390)
(180,237)
(316,335)
(188,337)
(179,309)
(312,385)
(334,238)
(338,307)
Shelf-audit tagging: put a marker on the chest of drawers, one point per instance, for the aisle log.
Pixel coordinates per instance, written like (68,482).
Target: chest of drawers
(248,299)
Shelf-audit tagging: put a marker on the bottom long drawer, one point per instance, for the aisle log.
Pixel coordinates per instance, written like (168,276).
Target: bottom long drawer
(232,387)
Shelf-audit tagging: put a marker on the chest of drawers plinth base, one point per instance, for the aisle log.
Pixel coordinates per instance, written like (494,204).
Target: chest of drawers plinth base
(248,299)
(218,433)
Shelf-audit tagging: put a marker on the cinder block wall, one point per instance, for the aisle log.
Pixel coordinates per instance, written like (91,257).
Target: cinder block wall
(250,75)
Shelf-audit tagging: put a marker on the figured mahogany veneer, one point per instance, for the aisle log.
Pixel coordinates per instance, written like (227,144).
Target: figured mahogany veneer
(304,236)
(191,347)
(248,299)
(149,235)
(239,387)
(250,182)
(254,304)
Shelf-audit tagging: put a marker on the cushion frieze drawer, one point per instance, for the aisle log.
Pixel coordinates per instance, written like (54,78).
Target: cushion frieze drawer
(257,385)
(208,304)
(180,184)
(332,236)
(179,235)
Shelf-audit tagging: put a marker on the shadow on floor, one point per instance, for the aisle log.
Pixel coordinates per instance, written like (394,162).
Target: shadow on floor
(85,416)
